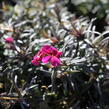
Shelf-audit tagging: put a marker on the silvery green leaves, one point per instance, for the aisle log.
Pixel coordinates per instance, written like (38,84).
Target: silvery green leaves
(84,63)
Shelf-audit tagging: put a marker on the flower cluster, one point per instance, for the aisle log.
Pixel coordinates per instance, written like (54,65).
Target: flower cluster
(47,54)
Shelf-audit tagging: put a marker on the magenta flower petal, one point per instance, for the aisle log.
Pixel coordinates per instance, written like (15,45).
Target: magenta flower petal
(46,59)
(59,54)
(36,58)
(9,40)
(34,62)
(55,61)
(54,51)
(46,49)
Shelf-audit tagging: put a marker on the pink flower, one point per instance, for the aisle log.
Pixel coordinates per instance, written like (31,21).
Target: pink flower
(9,40)
(47,54)
(36,61)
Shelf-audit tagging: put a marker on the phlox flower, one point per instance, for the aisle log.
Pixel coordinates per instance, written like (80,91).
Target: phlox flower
(47,54)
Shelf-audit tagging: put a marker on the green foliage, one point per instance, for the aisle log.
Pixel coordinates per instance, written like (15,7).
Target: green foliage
(81,82)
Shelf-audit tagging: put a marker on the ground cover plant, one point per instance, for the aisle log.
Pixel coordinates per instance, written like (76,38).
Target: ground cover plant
(54,54)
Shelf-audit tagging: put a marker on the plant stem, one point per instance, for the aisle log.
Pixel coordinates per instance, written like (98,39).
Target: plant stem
(53,79)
